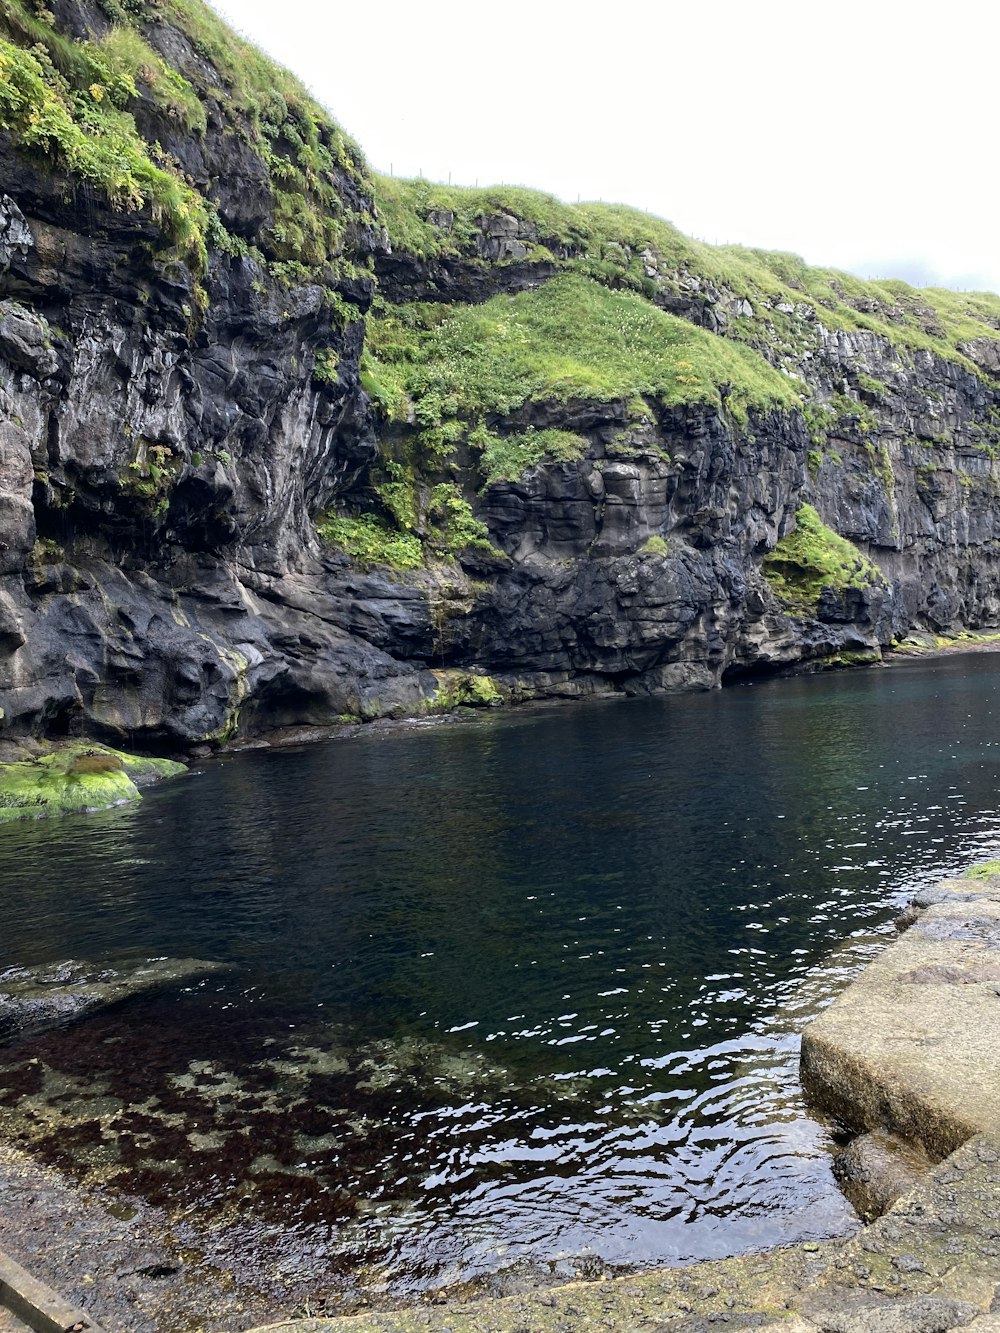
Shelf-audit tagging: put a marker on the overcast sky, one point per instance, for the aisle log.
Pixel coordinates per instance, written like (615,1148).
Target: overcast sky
(859,135)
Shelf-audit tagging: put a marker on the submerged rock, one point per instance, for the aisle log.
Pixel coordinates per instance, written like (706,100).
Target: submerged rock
(877,1169)
(35,999)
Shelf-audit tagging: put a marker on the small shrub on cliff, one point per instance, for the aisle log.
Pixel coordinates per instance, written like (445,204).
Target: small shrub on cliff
(371,542)
(452,526)
(508,457)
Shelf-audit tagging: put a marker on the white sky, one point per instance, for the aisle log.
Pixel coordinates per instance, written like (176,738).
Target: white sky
(860,135)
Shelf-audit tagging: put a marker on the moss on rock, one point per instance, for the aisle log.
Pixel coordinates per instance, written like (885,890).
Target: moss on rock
(812,559)
(76,777)
(463,689)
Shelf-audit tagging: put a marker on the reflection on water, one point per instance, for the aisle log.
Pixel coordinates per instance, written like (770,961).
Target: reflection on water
(521,990)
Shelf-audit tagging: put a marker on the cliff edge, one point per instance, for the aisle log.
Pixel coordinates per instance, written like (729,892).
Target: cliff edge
(284,442)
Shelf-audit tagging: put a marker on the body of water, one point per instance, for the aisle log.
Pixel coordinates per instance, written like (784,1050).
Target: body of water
(518,992)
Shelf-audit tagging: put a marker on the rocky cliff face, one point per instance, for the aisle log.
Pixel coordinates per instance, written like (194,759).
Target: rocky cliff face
(186,394)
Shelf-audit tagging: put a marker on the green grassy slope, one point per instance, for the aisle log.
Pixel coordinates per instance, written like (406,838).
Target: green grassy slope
(615,244)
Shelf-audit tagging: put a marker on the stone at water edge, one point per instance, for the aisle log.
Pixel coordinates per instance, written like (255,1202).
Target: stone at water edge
(76,777)
(36,999)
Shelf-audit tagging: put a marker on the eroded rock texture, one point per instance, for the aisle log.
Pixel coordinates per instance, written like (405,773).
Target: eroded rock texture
(169,434)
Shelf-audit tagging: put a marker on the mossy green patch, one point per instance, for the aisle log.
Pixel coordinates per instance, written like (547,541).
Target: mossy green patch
(625,248)
(371,541)
(570,339)
(509,457)
(462,689)
(655,545)
(984,870)
(76,777)
(812,559)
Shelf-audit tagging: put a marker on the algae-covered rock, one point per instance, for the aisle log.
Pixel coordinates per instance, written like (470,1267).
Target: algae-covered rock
(76,777)
(877,1169)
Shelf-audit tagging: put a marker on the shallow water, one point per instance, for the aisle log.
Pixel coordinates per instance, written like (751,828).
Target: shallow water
(523,990)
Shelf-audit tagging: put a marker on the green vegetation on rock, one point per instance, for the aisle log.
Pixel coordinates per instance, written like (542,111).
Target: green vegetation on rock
(71,103)
(984,870)
(76,777)
(508,457)
(427,523)
(623,247)
(656,545)
(462,689)
(443,374)
(569,339)
(370,541)
(811,559)
(76,119)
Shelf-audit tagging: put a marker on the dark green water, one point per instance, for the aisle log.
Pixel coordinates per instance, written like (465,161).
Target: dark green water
(521,989)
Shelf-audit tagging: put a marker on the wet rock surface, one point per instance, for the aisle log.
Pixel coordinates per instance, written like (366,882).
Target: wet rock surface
(910,1047)
(877,1169)
(121,1261)
(35,999)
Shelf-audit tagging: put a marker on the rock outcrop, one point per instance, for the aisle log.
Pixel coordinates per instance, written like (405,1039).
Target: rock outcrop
(37,999)
(909,1047)
(222,510)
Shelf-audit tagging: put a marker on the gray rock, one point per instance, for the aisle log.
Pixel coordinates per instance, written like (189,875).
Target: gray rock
(876,1169)
(15,234)
(36,999)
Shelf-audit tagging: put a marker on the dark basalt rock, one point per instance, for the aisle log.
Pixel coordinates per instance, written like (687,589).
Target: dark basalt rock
(165,448)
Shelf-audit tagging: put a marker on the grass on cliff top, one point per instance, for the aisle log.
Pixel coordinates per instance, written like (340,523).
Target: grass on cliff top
(69,102)
(813,558)
(569,339)
(299,141)
(606,241)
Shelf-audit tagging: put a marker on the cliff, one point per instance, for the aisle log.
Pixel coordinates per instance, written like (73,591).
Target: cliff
(282,441)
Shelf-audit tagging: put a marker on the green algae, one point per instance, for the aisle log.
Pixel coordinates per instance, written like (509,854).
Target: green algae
(461,689)
(74,778)
(984,870)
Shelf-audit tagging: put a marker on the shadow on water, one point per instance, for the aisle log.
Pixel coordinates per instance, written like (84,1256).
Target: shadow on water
(524,989)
